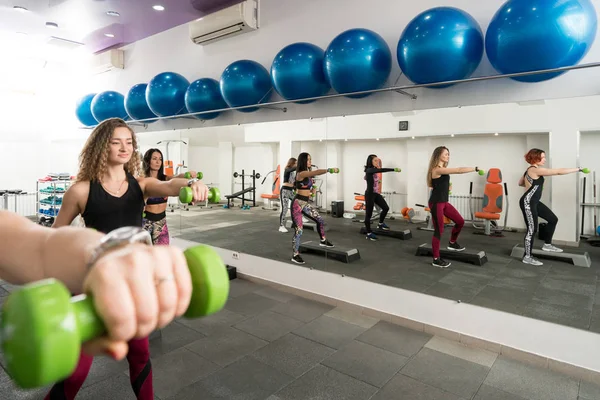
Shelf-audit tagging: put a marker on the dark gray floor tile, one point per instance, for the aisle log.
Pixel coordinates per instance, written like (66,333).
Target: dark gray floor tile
(173,337)
(577,318)
(595,320)
(213,323)
(366,363)
(322,383)
(9,391)
(466,279)
(403,387)
(491,393)
(104,368)
(449,373)
(302,309)
(245,379)
(227,346)
(394,338)
(530,382)
(250,304)
(269,325)
(589,391)
(565,299)
(293,354)
(497,305)
(588,289)
(275,294)
(178,369)
(506,294)
(239,287)
(329,331)
(453,292)
(117,387)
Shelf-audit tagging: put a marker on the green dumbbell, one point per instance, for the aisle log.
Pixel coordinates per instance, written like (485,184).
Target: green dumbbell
(214,195)
(333,170)
(43,327)
(199,175)
(397,170)
(481,172)
(585,170)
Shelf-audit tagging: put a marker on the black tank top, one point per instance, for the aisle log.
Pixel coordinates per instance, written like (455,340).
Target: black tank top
(106,213)
(441,187)
(535,190)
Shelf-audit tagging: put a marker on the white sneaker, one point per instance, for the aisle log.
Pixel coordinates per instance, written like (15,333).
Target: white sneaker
(552,248)
(282,229)
(532,261)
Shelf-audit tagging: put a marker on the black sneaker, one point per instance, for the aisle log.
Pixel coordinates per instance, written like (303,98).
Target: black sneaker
(297,259)
(455,247)
(371,236)
(326,243)
(440,263)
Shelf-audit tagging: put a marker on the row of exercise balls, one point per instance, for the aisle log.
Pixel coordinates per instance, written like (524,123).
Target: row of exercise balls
(440,44)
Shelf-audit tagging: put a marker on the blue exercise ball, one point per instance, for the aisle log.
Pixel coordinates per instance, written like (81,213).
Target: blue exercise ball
(165,94)
(83,110)
(136,104)
(598,229)
(532,35)
(204,95)
(109,104)
(440,44)
(245,82)
(297,72)
(357,60)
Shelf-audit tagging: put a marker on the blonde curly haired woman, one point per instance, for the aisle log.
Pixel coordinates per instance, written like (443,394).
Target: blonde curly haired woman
(109,194)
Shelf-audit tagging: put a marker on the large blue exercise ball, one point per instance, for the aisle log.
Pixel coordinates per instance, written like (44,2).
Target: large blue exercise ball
(440,44)
(357,60)
(109,104)
(297,72)
(136,104)
(204,95)
(533,35)
(245,82)
(165,94)
(83,110)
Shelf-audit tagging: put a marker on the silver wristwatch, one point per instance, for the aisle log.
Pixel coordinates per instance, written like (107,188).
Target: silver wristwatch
(117,238)
(191,181)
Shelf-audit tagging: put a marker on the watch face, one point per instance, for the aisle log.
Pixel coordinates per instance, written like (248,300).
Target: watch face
(129,234)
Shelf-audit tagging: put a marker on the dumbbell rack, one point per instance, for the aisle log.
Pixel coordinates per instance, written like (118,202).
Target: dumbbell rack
(47,189)
(592,207)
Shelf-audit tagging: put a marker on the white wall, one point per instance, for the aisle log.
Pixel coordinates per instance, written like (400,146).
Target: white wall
(259,158)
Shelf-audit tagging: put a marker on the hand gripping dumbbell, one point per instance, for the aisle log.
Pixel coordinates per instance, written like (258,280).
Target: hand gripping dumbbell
(584,170)
(185,193)
(333,170)
(43,327)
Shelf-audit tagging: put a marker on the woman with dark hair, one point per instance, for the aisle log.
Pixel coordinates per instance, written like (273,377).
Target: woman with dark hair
(531,205)
(301,206)
(373,195)
(438,178)
(286,194)
(155,217)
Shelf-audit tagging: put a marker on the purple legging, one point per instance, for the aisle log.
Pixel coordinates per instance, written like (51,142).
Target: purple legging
(300,208)
(438,211)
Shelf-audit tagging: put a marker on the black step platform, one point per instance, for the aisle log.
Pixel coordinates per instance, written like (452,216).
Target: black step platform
(343,254)
(472,257)
(577,259)
(402,235)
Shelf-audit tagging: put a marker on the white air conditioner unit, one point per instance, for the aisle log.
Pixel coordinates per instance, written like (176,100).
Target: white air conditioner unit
(107,61)
(228,22)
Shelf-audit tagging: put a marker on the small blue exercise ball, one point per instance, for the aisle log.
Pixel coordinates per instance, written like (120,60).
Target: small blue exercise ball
(165,94)
(109,104)
(83,110)
(533,35)
(297,72)
(440,44)
(136,104)
(245,82)
(357,60)
(204,95)
(598,230)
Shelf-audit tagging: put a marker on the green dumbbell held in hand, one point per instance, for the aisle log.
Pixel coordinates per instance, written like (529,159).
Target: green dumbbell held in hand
(43,327)
(481,172)
(585,170)
(199,175)
(333,170)
(397,170)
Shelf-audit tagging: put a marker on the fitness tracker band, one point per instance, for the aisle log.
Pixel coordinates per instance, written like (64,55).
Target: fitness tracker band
(118,238)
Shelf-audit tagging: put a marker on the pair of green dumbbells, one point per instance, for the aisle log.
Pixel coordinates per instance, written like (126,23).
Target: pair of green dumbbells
(43,327)
(186,196)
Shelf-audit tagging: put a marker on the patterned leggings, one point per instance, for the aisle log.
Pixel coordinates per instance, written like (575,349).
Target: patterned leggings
(285,196)
(300,207)
(156,225)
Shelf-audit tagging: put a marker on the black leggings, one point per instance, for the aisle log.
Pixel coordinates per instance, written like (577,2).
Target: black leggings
(531,211)
(370,200)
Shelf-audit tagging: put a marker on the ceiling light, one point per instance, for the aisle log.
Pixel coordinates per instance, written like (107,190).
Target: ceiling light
(496,134)
(52,25)
(113,14)
(452,135)
(109,35)
(20,8)
(158,7)
(413,137)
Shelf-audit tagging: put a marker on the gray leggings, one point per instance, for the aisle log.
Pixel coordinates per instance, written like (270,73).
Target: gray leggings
(286,195)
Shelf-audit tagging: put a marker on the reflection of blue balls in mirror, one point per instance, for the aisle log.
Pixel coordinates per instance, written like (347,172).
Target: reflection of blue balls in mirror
(297,72)
(165,94)
(136,105)
(357,60)
(598,230)
(83,110)
(535,35)
(109,104)
(204,95)
(245,82)
(440,44)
